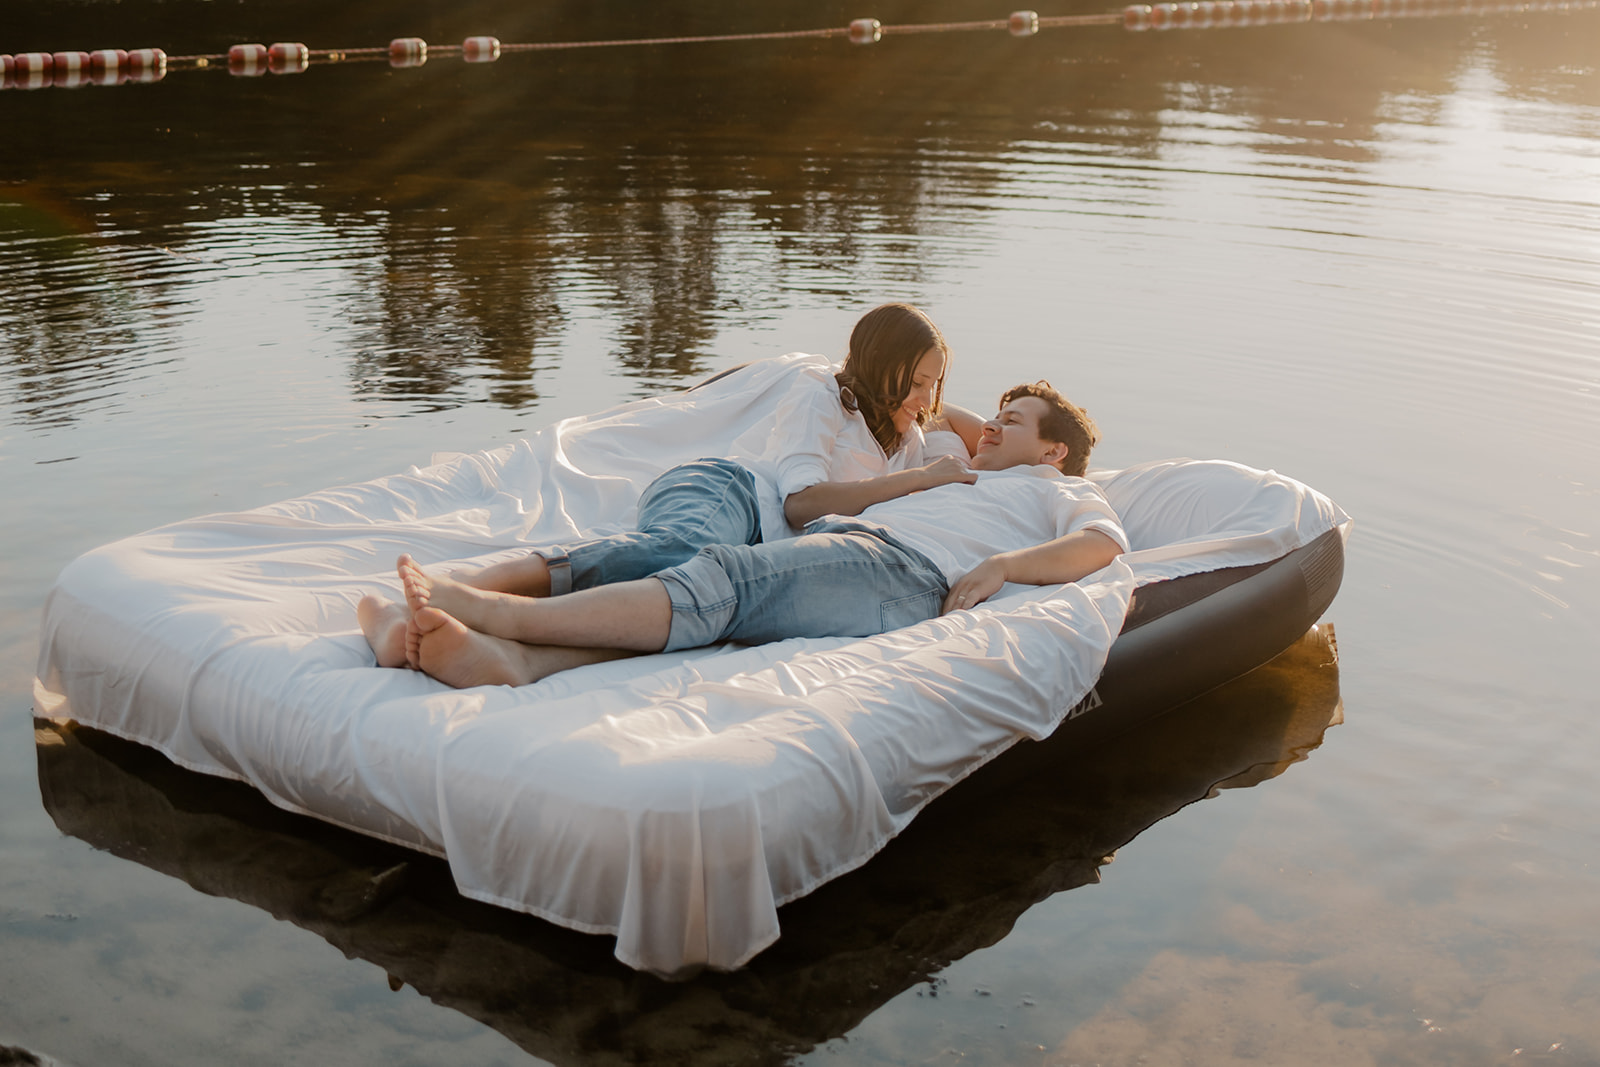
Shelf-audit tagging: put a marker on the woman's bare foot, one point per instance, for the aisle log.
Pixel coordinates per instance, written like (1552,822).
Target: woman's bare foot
(525,576)
(445,648)
(384,624)
(487,612)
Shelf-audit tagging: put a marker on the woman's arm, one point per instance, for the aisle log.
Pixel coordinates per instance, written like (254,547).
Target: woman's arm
(1066,559)
(968,425)
(852,498)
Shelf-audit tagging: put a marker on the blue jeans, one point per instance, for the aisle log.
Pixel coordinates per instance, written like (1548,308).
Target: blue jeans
(841,578)
(706,502)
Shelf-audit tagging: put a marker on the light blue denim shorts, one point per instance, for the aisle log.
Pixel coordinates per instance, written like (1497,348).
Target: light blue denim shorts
(841,578)
(706,502)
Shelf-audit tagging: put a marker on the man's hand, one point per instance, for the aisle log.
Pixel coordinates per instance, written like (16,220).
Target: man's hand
(976,586)
(1066,559)
(947,469)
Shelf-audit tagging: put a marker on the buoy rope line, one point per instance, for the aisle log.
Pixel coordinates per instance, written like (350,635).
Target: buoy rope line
(115,66)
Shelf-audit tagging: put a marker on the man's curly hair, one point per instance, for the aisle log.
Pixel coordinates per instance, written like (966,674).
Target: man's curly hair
(1065,422)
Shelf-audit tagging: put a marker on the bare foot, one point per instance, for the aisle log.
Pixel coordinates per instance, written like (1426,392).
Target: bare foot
(442,647)
(446,649)
(384,624)
(418,586)
(525,576)
(481,610)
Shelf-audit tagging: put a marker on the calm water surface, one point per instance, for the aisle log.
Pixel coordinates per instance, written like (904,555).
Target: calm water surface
(1365,255)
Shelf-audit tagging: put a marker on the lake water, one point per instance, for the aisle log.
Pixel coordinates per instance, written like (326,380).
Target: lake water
(1365,254)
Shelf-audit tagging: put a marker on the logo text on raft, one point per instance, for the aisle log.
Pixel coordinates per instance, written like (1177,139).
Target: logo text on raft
(1090,701)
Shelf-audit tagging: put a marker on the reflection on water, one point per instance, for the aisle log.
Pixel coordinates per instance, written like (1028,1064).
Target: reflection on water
(456,221)
(846,949)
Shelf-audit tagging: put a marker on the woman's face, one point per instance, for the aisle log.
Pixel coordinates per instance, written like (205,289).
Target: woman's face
(925,379)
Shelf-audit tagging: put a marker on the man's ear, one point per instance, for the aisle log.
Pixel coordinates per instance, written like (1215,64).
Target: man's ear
(1056,454)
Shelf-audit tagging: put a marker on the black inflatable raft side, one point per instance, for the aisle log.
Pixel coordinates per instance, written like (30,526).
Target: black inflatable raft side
(1184,637)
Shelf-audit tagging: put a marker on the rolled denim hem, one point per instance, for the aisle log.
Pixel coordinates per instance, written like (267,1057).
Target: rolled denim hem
(697,622)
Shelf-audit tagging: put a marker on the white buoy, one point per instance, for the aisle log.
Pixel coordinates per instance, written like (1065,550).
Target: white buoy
(288,58)
(866,31)
(480,49)
(408,52)
(1023,23)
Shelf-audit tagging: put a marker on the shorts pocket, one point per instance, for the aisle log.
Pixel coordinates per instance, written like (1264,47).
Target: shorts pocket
(909,610)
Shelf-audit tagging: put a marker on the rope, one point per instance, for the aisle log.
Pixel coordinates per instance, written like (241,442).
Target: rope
(39,69)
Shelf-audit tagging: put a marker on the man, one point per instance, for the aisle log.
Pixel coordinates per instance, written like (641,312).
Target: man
(1024,519)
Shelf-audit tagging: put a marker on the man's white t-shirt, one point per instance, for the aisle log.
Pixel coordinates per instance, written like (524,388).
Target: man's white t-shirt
(958,526)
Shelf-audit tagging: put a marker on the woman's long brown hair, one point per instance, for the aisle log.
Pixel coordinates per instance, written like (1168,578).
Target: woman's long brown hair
(885,347)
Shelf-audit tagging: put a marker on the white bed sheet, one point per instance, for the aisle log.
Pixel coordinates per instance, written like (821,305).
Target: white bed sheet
(674,801)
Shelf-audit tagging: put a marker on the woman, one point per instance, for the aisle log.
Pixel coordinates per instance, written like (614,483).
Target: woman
(836,445)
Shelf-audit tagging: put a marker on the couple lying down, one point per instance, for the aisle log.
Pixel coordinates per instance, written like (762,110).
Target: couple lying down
(698,570)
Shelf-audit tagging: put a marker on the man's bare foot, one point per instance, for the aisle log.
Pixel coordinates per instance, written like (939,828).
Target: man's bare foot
(384,624)
(525,576)
(445,648)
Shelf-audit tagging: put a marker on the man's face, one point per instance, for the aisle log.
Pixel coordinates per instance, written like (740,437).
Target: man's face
(1012,438)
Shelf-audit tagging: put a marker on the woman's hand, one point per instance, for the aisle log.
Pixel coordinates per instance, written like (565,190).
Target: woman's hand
(976,586)
(947,469)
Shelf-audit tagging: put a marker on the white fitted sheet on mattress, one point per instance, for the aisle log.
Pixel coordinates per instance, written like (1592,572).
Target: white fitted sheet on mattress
(674,801)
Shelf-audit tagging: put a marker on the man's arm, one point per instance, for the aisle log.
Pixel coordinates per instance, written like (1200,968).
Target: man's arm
(1066,559)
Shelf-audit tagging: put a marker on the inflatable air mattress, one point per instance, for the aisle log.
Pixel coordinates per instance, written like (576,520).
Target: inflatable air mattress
(673,801)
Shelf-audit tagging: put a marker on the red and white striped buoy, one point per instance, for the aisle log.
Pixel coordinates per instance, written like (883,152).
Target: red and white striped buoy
(408,52)
(247,60)
(1023,23)
(1136,17)
(147,65)
(288,58)
(69,70)
(31,70)
(480,49)
(108,66)
(866,31)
